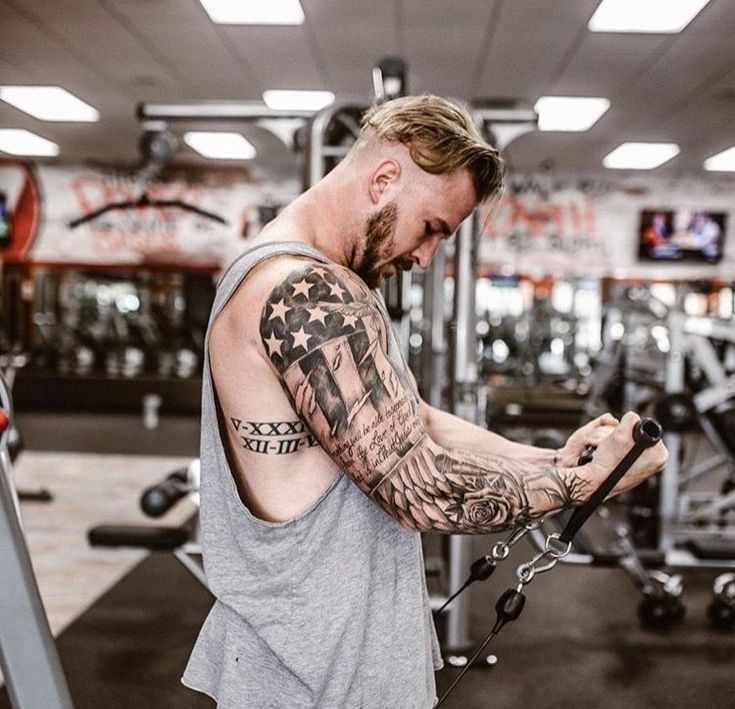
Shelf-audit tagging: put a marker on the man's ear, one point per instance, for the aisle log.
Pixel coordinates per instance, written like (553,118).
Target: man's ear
(384,181)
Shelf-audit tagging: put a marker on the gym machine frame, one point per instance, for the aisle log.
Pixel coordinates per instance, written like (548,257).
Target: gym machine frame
(28,656)
(468,399)
(182,541)
(685,520)
(683,515)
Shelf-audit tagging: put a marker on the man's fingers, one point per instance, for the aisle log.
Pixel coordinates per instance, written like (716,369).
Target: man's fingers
(629,420)
(603,420)
(599,434)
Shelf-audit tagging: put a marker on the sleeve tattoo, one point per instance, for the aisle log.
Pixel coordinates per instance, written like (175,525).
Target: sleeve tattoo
(326,338)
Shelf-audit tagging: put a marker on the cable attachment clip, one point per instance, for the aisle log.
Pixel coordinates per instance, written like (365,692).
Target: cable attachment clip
(554,549)
(501,550)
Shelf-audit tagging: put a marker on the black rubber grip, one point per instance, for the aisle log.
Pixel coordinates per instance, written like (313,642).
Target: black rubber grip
(141,536)
(510,605)
(160,498)
(648,432)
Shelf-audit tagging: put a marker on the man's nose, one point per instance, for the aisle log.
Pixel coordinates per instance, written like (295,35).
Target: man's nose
(424,253)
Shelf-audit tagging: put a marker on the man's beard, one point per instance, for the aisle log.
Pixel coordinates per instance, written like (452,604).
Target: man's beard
(379,241)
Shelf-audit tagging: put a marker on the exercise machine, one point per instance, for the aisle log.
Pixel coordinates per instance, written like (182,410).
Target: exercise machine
(556,545)
(11,361)
(28,656)
(658,357)
(182,541)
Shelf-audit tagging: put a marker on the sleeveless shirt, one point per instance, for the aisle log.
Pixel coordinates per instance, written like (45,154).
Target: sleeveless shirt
(327,610)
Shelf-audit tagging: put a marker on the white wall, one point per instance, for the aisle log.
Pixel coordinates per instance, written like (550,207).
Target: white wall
(579,225)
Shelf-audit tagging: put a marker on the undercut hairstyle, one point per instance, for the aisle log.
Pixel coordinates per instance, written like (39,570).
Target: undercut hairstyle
(441,138)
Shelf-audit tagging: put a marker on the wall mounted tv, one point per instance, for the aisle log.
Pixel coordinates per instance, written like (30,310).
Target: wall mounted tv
(681,235)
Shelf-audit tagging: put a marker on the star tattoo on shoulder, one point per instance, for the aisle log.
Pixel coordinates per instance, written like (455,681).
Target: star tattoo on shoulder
(301,287)
(279,310)
(301,339)
(317,315)
(312,306)
(274,345)
(335,290)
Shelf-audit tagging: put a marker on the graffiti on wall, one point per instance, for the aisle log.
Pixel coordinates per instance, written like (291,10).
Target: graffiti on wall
(579,226)
(538,227)
(141,232)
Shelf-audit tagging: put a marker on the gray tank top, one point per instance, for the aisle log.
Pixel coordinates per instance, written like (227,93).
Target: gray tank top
(328,610)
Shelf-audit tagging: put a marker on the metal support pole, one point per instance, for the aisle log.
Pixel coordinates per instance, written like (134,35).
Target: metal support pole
(434,347)
(464,320)
(464,405)
(403,322)
(674,384)
(319,150)
(28,657)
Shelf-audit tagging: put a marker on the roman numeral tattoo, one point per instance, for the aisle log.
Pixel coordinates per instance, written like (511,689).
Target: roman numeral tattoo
(273,437)
(325,335)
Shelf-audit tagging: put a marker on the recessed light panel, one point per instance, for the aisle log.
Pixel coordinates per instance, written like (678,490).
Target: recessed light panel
(640,156)
(654,16)
(17,141)
(220,146)
(567,113)
(254,12)
(724,161)
(293,100)
(49,103)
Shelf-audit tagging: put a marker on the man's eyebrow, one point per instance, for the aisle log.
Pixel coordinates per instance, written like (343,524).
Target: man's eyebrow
(444,227)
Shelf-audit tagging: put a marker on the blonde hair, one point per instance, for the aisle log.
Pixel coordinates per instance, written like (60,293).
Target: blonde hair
(440,137)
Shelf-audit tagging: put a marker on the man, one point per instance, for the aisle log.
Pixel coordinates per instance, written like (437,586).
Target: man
(320,464)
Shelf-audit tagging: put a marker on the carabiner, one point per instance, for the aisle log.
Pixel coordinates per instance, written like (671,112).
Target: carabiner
(527,571)
(554,548)
(501,550)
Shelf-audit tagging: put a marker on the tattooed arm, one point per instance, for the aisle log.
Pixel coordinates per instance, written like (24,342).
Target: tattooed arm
(327,341)
(453,432)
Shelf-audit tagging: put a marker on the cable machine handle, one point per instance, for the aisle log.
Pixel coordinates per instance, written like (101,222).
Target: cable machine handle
(646,433)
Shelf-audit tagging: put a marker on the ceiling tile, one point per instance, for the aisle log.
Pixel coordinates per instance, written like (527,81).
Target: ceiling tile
(115,53)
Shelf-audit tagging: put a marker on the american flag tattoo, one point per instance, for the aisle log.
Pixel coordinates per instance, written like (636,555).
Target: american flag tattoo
(314,328)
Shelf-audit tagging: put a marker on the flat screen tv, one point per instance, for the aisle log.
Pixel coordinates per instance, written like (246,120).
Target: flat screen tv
(681,235)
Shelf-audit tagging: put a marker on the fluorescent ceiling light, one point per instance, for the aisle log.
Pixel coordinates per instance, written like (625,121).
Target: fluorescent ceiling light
(222,146)
(724,161)
(210,109)
(665,16)
(254,12)
(17,141)
(640,156)
(49,103)
(569,113)
(292,100)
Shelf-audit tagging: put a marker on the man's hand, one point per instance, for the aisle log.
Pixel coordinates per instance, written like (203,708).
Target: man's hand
(591,434)
(616,444)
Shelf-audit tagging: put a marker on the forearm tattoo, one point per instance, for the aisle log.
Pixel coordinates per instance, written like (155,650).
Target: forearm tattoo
(326,337)
(457,492)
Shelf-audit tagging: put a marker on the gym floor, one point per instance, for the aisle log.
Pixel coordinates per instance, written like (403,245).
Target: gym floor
(125,621)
